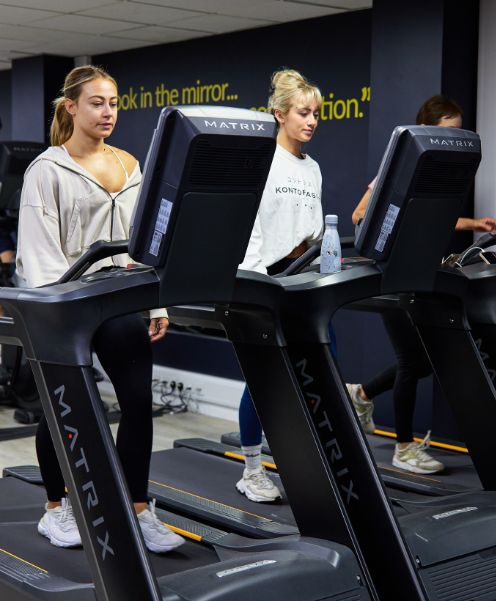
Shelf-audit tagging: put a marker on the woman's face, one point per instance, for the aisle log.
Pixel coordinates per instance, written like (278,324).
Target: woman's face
(455,121)
(300,122)
(95,111)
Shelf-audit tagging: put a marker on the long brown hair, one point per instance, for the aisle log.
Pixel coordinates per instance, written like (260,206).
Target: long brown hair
(62,125)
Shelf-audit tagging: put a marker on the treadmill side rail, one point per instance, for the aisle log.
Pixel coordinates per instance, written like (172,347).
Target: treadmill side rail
(104,513)
(459,368)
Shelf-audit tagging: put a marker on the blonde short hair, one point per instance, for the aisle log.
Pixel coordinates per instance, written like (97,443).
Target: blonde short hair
(288,84)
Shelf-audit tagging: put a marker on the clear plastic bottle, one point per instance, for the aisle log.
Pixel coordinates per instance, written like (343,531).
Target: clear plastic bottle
(330,254)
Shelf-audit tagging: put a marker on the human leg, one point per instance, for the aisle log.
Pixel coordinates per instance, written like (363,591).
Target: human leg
(363,395)
(58,523)
(255,483)
(380,383)
(413,364)
(123,348)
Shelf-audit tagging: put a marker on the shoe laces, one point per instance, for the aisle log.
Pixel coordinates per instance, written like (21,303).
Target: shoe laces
(365,410)
(153,518)
(420,447)
(365,406)
(66,515)
(261,479)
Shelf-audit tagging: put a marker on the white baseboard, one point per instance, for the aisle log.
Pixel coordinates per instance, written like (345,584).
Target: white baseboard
(210,395)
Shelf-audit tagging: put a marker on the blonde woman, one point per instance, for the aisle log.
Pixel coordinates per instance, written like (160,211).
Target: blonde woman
(78,191)
(288,221)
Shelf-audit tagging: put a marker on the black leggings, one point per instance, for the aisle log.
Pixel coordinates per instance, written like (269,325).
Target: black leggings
(123,348)
(412,364)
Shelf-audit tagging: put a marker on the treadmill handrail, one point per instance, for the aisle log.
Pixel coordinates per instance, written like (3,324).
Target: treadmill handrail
(101,249)
(309,255)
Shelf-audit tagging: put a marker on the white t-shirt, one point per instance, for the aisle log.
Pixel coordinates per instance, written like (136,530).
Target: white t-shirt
(290,211)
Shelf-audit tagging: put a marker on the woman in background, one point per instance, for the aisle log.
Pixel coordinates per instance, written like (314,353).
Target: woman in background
(412,361)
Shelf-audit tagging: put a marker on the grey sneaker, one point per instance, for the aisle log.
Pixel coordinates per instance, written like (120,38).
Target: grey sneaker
(59,525)
(364,409)
(414,458)
(258,487)
(158,538)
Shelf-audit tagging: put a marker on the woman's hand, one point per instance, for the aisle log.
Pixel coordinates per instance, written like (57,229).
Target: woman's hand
(484,224)
(157,328)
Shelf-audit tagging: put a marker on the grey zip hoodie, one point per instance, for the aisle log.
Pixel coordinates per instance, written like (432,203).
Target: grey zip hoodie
(65,209)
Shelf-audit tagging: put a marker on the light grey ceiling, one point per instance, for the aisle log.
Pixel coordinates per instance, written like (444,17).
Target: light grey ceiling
(89,27)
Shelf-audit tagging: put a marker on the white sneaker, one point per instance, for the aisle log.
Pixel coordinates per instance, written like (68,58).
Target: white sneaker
(59,525)
(364,409)
(414,458)
(258,487)
(158,538)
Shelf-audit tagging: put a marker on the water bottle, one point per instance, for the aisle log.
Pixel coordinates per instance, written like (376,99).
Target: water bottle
(330,253)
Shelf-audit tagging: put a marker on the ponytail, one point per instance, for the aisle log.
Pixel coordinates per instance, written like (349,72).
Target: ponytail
(62,125)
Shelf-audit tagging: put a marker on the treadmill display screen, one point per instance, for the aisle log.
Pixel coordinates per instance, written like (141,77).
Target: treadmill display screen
(202,183)
(427,163)
(199,150)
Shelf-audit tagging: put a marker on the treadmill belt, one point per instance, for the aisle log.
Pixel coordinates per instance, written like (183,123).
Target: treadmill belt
(27,556)
(23,541)
(459,475)
(213,478)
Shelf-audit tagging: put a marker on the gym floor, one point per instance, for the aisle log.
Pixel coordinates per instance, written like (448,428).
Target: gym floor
(167,428)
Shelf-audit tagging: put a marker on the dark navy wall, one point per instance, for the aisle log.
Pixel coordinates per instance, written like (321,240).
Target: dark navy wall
(419,49)
(331,51)
(28,100)
(36,81)
(5,104)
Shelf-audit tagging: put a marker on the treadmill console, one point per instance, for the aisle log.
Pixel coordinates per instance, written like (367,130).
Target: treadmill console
(202,183)
(424,178)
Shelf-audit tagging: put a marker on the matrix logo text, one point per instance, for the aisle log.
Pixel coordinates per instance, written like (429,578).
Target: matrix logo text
(80,462)
(450,142)
(327,436)
(234,125)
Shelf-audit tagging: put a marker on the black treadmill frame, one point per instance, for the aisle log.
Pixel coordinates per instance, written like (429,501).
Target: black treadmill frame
(80,432)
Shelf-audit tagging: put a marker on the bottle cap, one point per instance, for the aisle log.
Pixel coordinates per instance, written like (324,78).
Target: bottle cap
(331,219)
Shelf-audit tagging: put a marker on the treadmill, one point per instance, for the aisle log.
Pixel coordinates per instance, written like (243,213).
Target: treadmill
(451,541)
(203,179)
(443,548)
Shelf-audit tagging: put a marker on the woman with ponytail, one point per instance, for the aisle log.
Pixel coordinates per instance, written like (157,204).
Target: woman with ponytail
(289,220)
(78,191)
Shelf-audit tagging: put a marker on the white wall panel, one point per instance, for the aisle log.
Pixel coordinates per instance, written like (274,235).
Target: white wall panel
(485,185)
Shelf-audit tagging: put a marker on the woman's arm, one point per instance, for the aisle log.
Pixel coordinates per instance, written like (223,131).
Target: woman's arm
(40,259)
(484,224)
(361,207)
